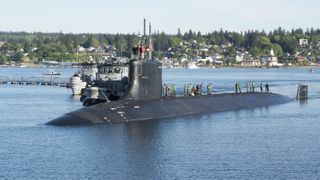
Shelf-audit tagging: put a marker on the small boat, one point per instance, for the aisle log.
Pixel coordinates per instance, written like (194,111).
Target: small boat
(51,72)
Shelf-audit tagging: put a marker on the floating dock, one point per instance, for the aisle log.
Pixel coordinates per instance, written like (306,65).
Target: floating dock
(33,80)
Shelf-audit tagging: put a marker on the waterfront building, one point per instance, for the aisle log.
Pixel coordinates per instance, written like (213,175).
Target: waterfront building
(270,59)
(2,43)
(242,55)
(205,61)
(300,59)
(217,57)
(303,42)
(239,56)
(251,63)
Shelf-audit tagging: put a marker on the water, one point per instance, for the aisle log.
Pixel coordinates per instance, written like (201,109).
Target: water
(278,142)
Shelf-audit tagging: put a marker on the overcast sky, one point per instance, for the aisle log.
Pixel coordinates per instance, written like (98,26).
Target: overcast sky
(125,16)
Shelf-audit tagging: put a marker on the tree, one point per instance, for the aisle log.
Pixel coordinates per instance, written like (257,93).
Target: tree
(27,46)
(208,63)
(289,43)
(120,43)
(158,54)
(91,42)
(3,59)
(238,40)
(199,37)
(265,42)
(32,56)
(256,52)
(174,41)
(18,57)
(179,35)
(230,52)
(277,50)
(275,38)
(103,41)
(161,42)
(131,40)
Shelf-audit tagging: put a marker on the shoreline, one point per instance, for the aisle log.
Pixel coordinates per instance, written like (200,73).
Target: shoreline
(236,67)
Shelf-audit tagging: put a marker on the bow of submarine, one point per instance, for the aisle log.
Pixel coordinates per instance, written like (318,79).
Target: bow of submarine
(69,120)
(81,117)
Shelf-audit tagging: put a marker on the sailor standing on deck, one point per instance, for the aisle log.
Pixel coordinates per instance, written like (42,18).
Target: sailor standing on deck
(252,86)
(209,88)
(197,89)
(238,88)
(174,90)
(189,89)
(164,90)
(267,87)
(169,90)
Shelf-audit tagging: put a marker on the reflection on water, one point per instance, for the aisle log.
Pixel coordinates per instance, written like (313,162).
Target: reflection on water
(276,142)
(303,101)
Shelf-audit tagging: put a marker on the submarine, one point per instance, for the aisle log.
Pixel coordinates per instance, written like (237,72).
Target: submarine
(143,99)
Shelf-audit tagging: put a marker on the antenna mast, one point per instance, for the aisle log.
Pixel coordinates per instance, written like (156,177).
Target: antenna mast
(150,43)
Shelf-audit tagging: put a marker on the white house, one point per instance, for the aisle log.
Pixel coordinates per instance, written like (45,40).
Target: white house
(2,43)
(303,42)
(239,56)
(217,57)
(270,59)
(81,49)
(205,60)
(251,63)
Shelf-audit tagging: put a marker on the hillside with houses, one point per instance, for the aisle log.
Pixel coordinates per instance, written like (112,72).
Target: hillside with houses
(218,48)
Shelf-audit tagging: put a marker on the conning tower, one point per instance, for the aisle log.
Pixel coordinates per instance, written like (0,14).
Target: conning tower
(145,80)
(145,74)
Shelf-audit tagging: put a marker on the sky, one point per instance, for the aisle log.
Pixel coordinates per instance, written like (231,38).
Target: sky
(126,16)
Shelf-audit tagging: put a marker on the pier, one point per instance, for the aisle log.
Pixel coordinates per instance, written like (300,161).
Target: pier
(34,80)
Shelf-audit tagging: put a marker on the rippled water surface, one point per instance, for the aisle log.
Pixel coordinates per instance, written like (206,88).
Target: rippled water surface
(277,142)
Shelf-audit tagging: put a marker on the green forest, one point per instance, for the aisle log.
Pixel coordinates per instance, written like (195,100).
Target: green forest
(34,47)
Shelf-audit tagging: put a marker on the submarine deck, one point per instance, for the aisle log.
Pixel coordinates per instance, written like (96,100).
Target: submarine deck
(138,110)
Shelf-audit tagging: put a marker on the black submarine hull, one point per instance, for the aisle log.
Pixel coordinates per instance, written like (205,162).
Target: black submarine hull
(124,111)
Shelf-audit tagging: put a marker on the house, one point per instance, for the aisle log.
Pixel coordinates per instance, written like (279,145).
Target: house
(251,63)
(2,43)
(218,63)
(239,56)
(81,49)
(270,59)
(217,57)
(300,59)
(242,56)
(303,42)
(166,62)
(205,61)
(90,49)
